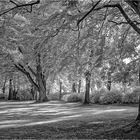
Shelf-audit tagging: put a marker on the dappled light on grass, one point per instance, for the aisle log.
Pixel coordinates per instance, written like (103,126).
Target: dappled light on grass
(109,111)
(29,114)
(12,123)
(53,120)
(20,123)
(99,122)
(16,110)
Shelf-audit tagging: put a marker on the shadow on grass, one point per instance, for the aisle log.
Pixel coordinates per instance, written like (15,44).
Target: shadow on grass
(60,120)
(12,113)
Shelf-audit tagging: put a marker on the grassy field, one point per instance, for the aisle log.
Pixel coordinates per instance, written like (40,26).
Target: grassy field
(58,120)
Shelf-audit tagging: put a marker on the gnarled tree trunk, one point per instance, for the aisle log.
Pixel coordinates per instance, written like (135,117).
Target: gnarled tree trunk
(40,83)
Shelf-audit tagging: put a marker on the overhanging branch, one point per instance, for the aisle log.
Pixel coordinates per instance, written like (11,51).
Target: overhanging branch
(92,9)
(123,22)
(32,71)
(130,22)
(23,70)
(19,6)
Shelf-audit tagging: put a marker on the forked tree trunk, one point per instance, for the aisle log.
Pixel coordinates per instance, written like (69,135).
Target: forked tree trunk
(40,83)
(87,75)
(79,86)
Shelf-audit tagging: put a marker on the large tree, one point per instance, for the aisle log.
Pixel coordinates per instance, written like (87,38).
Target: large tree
(117,12)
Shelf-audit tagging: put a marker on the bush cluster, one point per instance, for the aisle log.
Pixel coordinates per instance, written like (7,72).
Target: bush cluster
(73,97)
(53,96)
(95,97)
(132,97)
(115,96)
(102,96)
(111,97)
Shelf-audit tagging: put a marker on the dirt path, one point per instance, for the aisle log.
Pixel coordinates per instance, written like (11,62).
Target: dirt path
(60,120)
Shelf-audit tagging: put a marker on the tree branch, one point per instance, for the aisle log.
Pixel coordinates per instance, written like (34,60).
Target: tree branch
(135,5)
(18,6)
(22,69)
(130,22)
(32,71)
(13,2)
(81,19)
(123,22)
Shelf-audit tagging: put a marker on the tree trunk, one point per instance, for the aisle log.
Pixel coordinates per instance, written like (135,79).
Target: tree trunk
(35,91)
(88,75)
(41,80)
(73,87)
(10,90)
(109,81)
(138,117)
(42,91)
(32,92)
(79,86)
(60,94)
(15,90)
(3,88)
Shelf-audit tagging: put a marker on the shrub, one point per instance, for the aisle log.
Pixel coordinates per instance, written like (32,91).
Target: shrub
(24,95)
(64,97)
(129,98)
(53,96)
(73,97)
(95,96)
(136,91)
(110,97)
(132,97)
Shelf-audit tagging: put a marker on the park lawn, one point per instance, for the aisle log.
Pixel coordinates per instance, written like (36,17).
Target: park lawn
(59,120)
